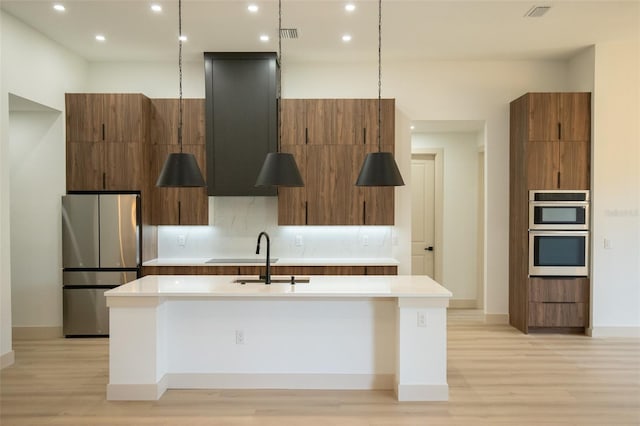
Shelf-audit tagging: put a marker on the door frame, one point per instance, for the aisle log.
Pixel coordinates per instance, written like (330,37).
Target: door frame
(438,153)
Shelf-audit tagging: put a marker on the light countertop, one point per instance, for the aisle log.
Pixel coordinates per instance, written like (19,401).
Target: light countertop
(259,261)
(214,286)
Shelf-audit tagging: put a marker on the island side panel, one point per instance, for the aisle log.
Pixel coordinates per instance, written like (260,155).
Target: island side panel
(137,349)
(421,369)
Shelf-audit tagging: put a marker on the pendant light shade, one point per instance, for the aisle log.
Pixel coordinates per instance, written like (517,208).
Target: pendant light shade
(180,170)
(379,169)
(279,169)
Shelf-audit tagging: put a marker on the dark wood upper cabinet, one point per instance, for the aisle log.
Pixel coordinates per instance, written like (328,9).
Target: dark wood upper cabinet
(330,139)
(241,120)
(165,116)
(559,116)
(105,136)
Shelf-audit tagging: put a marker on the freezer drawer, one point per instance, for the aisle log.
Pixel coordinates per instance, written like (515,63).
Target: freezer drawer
(97,278)
(85,312)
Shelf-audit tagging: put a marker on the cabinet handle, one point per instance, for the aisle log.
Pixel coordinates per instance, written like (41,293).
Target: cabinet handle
(558,179)
(306,213)
(179,213)
(104,180)
(364,212)
(103,131)
(364,135)
(559,131)
(306,135)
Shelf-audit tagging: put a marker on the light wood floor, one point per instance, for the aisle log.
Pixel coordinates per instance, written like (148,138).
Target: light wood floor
(497,376)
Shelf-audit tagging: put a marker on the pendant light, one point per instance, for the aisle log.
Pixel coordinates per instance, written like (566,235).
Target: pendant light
(180,169)
(379,168)
(279,168)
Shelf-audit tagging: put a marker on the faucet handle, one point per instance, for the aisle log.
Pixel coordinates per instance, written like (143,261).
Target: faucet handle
(293,280)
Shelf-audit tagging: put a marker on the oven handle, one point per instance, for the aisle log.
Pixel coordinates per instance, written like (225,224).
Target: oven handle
(535,232)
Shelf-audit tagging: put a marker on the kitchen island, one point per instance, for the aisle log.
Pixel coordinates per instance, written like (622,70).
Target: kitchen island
(334,332)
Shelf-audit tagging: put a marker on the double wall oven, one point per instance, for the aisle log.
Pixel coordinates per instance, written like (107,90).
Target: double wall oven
(559,233)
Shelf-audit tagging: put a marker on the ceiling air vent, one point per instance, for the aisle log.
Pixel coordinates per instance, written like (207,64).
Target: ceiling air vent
(537,11)
(289,32)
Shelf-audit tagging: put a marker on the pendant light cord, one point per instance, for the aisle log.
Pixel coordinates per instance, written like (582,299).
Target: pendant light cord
(379,75)
(180,70)
(279,71)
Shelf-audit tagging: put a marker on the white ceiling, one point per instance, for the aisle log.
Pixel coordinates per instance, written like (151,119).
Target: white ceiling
(419,29)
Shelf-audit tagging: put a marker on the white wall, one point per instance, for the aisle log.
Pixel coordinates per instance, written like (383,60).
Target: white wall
(460,210)
(615,187)
(35,68)
(36,144)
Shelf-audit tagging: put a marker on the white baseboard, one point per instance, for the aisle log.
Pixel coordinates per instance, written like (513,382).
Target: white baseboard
(7,359)
(36,333)
(281,381)
(499,319)
(614,332)
(137,392)
(462,304)
(422,392)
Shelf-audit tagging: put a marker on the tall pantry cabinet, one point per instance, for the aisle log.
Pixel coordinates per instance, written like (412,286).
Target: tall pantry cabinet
(550,148)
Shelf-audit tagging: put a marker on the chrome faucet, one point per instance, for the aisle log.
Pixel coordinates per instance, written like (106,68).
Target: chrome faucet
(267,274)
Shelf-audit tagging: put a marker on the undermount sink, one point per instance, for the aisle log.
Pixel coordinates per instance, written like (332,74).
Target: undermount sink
(296,280)
(245,260)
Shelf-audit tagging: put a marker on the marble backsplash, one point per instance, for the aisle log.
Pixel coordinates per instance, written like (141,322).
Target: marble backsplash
(235,223)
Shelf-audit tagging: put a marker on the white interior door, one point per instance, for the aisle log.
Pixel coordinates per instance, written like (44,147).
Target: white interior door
(423,215)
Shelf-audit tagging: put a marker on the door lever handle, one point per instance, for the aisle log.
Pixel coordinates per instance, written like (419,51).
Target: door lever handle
(430,248)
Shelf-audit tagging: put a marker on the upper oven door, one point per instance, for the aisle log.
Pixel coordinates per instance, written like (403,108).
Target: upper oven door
(559,215)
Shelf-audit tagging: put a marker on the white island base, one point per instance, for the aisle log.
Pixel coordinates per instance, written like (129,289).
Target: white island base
(336,332)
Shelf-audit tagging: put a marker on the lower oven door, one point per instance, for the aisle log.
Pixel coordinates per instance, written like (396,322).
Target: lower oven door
(559,253)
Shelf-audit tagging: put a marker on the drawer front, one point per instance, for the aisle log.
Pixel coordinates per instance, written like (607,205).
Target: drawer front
(543,314)
(559,290)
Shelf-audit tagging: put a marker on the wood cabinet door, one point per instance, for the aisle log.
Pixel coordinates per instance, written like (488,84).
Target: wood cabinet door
(123,166)
(575,116)
(332,197)
(165,117)
(85,166)
(193,207)
(348,126)
(84,112)
(574,165)
(294,122)
(164,201)
(292,201)
(125,117)
(542,165)
(543,117)
(320,118)
(370,121)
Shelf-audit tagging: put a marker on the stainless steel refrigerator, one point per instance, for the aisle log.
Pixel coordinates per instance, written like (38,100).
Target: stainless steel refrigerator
(100,250)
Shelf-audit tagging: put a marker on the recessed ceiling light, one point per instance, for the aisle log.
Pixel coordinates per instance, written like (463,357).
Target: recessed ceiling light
(252,8)
(350,7)
(264,38)
(183,38)
(156,8)
(59,7)
(412,127)
(100,37)
(346,38)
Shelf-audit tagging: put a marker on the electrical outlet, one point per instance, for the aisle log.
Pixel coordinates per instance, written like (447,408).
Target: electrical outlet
(607,243)
(365,240)
(182,240)
(299,241)
(422,319)
(239,337)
